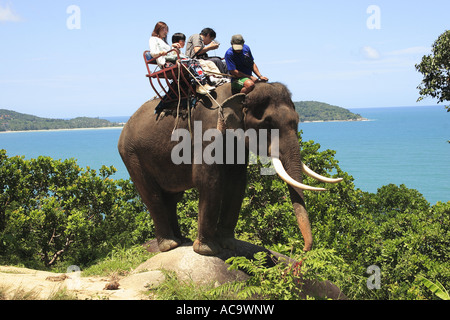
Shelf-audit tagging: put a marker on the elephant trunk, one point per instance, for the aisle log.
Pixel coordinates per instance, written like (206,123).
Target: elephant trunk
(289,168)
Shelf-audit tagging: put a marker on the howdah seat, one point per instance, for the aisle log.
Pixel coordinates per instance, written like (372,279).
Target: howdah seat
(170,84)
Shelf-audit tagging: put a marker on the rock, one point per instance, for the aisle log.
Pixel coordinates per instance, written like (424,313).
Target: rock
(113,285)
(142,280)
(21,283)
(188,265)
(322,289)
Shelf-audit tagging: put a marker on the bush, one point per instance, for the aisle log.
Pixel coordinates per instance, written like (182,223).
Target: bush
(53,211)
(283,281)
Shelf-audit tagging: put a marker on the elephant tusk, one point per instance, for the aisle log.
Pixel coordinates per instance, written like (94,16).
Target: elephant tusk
(285,176)
(318,177)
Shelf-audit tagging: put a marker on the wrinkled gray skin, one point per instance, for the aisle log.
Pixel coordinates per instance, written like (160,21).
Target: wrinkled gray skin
(145,146)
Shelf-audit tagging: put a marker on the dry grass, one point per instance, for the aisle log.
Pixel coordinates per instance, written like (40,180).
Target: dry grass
(6,293)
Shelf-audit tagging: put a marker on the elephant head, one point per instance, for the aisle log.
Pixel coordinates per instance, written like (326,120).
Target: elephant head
(269,106)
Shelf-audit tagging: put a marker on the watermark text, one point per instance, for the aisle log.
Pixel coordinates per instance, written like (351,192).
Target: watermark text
(228,148)
(374,281)
(373,22)
(73,22)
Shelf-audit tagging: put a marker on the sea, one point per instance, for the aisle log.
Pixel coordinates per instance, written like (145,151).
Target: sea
(398,145)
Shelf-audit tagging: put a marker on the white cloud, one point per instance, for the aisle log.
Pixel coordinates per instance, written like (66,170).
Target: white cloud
(7,15)
(410,51)
(370,53)
(395,60)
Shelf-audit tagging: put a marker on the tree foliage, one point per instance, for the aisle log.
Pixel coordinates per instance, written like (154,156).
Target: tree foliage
(435,68)
(283,281)
(53,212)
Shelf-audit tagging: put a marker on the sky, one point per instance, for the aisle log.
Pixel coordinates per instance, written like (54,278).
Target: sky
(63,59)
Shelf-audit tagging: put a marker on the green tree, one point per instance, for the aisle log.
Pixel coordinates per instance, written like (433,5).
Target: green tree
(52,211)
(436,71)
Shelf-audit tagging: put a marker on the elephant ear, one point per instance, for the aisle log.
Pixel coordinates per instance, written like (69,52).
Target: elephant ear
(233,115)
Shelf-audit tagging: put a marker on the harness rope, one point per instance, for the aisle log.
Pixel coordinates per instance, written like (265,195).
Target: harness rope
(221,121)
(207,93)
(179,100)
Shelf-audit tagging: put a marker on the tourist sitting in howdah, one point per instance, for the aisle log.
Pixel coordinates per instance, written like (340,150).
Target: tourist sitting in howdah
(201,43)
(202,73)
(166,56)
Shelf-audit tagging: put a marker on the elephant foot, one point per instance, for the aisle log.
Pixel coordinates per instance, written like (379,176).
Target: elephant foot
(228,243)
(206,249)
(168,244)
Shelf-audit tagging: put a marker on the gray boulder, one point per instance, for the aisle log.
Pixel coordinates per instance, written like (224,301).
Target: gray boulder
(189,265)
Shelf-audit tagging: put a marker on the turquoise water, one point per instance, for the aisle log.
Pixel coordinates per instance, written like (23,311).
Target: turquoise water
(91,147)
(405,145)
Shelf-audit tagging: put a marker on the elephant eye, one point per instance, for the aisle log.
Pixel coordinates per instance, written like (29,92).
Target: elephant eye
(267,122)
(293,124)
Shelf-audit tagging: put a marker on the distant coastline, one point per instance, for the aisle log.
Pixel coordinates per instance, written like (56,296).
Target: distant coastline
(120,126)
(350,120)
(58,130)
(12,121)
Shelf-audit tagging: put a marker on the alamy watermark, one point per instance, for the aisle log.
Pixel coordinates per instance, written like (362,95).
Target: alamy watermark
(74,281)
(373,22)
(374,281)
(73,22)
(230,151)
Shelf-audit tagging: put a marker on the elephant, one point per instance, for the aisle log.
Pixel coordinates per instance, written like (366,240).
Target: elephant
(146,146)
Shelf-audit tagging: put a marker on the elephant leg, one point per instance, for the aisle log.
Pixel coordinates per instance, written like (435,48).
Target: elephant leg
(210,196)
(159,206)
(233,195)
(164,217)
(171,200)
